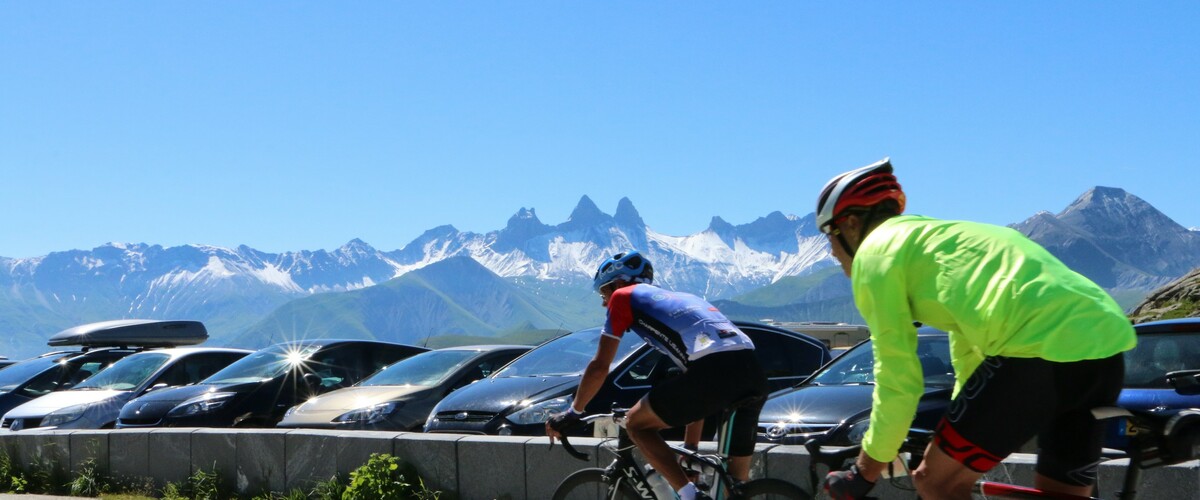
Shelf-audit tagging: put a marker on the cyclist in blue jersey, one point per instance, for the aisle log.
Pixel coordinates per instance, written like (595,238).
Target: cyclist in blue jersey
(717,361)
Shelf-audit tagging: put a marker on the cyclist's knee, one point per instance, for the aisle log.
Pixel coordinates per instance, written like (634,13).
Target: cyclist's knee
(642,418)
(940,476)
(931,487)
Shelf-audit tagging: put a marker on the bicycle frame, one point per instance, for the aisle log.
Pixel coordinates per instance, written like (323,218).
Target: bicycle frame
(625,469)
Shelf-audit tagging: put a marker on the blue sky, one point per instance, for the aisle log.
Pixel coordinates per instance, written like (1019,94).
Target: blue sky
(301,125)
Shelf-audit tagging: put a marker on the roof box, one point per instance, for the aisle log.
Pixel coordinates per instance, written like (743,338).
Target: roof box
(132,332)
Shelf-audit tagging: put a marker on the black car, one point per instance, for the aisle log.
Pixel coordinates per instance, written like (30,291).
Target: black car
(256,390)
(518,399)
(102,344)
(835,403)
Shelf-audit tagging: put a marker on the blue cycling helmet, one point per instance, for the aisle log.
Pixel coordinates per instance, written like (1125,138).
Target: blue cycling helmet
(629,266)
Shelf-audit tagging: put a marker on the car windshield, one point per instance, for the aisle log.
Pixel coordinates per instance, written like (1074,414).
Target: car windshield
(15,375)
(1147,364)
(857,366)
(427,368)
(566,355)
(263,364)
(127,374)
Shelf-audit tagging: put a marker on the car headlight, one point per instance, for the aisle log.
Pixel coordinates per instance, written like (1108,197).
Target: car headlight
(369,415)
(64,415)
(540,412)
(858,430)
(203,403)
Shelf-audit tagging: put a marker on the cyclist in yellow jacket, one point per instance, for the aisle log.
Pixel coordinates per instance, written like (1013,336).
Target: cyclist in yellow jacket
(1035,346)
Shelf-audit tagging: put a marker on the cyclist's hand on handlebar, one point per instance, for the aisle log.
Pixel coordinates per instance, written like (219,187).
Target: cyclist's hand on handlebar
(847,484)
(560,422)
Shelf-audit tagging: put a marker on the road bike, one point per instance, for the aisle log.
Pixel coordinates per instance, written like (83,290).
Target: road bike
(625,479)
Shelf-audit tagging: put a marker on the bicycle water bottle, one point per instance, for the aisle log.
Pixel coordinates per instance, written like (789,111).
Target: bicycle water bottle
(662,489)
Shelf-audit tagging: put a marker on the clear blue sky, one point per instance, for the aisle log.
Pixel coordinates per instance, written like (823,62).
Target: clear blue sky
(301,125)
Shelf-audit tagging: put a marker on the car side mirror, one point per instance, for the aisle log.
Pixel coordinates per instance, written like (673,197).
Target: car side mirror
(1185,382)
(157,386)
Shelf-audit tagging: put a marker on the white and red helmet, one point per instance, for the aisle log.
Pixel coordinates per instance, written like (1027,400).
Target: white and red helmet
(863,187)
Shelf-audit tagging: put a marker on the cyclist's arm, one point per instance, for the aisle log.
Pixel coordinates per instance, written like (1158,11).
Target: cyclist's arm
(882,297)
(596,372)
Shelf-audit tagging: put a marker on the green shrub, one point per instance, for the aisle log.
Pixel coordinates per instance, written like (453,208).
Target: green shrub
(328,490)
(89,482)
(383,476)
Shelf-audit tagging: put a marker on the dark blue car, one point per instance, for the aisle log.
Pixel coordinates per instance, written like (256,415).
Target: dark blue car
(1163,347)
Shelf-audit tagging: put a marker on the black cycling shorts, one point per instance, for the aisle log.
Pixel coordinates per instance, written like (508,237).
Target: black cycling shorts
(1008,401)
(710,385)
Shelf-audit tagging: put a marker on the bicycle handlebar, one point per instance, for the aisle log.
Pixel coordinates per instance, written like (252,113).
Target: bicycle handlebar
(834,456)
(617,414)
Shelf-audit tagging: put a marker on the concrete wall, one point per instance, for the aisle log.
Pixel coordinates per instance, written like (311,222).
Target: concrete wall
(252,461)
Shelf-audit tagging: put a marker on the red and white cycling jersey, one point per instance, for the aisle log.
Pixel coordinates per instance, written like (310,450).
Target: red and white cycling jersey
(681,325)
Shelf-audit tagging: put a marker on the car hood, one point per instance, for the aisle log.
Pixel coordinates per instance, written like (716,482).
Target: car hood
(181,394)
(824,404)
(498,394)
(62,399)
(328,406)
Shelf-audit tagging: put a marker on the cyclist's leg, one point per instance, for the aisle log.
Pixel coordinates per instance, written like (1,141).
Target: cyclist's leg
(1003,404)
(643,426)
(940,476)
(1070,445)
(750,392)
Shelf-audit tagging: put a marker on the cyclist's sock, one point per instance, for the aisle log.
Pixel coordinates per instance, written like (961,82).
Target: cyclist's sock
(687,492)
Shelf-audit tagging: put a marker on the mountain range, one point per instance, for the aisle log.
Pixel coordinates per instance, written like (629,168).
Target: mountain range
(527,276)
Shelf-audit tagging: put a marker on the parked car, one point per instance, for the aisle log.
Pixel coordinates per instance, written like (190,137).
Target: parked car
(101,343)
(519,398)
(256,390)
(835,403)
(1163,347)
(400,396)
(95,402)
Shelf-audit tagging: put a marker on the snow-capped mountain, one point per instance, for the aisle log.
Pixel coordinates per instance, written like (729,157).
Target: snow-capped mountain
(1108,235)
(719,262)
(230,288)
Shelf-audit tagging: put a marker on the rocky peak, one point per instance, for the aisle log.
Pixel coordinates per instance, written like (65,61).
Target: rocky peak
(587,213)
(1177,299)
(627,215)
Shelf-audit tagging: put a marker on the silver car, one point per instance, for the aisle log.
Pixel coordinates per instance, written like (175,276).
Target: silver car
(96,402)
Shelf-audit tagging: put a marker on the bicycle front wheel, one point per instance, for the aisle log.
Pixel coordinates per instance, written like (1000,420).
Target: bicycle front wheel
(771,488)
(590,484)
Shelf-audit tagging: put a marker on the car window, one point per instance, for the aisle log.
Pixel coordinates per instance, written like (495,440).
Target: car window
(196,367)
(645,370)
(339,366)
(786,360)
(19,373)
(65,376)
(263,364)
(496,361)
(126,374)
(425,369)
(1147,364)
(566,355)
(857,366)
(379,356)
